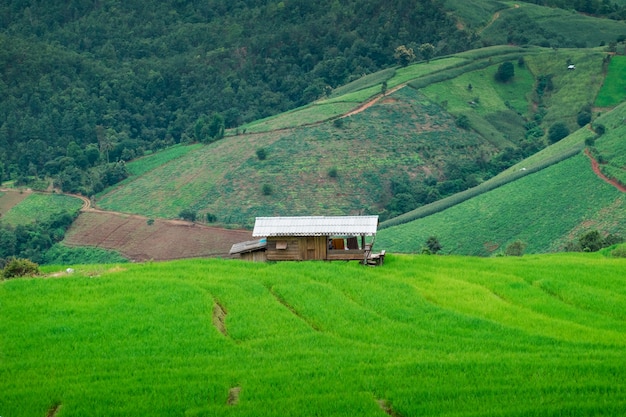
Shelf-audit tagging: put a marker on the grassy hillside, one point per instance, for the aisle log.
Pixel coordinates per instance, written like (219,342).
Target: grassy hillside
(546,209)
(403,134)
(37,207)
(316,163)
(524,23)
(436,336)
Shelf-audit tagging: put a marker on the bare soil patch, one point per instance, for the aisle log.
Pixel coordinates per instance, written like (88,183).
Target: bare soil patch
(10,199)
(133,237)
(219,318)
(54,410)
(233,396)
(386,407)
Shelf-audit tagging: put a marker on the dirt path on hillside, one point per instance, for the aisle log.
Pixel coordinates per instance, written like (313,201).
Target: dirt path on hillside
(596,168)
(495,17)
(372,101)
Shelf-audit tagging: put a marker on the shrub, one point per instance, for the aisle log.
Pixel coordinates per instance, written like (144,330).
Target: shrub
(591,241)
(463,122)
(333,173)
(599,128)
(619,252)
(432,245)
(583,118)
(516,248)
(505,72)
(261,153)
(267,189)
(188,214)
(557,131)
(19,267)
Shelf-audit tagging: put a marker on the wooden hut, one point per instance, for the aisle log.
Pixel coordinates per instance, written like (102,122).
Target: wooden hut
(312,238)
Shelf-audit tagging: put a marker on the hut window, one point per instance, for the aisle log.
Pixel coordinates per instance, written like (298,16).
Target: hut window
(281,245)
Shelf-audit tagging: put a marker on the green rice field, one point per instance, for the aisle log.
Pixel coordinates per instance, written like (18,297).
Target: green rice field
(419,336)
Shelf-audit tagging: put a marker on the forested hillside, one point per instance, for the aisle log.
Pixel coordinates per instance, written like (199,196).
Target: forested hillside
(86,84)
(118,78)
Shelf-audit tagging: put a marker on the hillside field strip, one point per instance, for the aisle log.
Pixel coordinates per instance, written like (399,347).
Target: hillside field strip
(613,91)
(421,336)
(35,207)
(527,208)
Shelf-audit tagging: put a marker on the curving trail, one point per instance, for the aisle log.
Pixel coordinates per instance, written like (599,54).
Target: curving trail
(371,102)
(596,168)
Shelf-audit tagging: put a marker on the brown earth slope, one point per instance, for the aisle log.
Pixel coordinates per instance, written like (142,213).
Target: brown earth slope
(133,237)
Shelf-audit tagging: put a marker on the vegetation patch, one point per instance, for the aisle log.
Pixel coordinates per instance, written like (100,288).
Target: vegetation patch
(524,209)
(429,335)
(613,90)
(37,207)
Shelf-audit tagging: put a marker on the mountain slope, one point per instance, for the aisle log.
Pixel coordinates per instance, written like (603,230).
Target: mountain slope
(546,210)
(405,150)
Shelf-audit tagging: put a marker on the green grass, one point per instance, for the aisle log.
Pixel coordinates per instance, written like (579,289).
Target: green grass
(545,210)
(414,71)
(311,114)
(613,91)
(436,336)
(60,254)
(39,207)
(146,164)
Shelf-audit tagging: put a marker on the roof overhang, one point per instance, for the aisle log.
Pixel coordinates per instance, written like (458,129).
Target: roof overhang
(315,226)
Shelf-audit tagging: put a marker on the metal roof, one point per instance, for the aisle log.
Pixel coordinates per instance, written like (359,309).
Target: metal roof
(248,246)
(315,226)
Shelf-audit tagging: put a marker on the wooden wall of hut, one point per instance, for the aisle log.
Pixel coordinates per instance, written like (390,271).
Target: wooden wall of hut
(290,248)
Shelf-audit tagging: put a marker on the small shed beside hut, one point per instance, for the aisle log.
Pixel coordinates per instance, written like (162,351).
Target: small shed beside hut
(312,238)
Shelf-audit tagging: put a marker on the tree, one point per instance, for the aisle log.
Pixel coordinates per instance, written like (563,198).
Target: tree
(516,248)
(216,126)
(583,118)
(426,51)
(557,131)
(505,72)
(267,189)
(261,153)
(188,214)
(433,245)
(591,241)
(463,122)
(403,55)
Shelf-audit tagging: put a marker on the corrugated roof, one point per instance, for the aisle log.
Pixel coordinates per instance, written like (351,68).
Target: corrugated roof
(315,226)
(248,246)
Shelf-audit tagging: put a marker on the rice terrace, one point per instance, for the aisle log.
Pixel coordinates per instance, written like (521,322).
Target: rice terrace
(541,335)
(334,209)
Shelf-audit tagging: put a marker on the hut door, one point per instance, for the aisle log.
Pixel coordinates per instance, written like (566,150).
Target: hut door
(310,248)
